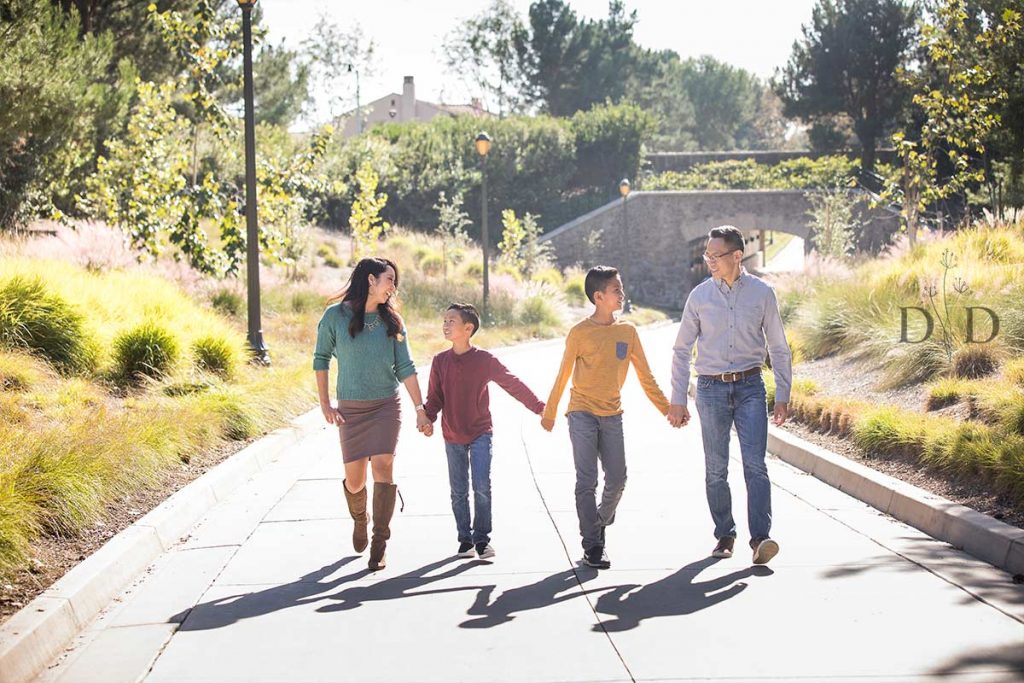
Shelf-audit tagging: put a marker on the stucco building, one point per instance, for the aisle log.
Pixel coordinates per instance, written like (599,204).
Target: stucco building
(402,107)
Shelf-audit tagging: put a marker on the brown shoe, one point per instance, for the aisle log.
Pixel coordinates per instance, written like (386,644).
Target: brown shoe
(383,509)
(724,548)
(357,508)
(764,550)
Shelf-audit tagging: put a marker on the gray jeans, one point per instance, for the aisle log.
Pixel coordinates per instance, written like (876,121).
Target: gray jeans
(597,439)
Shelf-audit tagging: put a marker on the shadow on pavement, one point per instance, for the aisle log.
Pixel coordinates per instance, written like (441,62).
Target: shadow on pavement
(543,593)
(674,595)
(400,586)
(1008,659)
(311,588)
(233,608)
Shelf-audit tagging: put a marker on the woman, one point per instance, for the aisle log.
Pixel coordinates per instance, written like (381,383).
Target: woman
(363,330)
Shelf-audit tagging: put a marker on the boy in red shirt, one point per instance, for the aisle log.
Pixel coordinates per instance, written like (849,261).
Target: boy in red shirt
(458,390)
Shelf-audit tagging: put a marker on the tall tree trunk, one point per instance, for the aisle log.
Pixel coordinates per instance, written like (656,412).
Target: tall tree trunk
(867,152)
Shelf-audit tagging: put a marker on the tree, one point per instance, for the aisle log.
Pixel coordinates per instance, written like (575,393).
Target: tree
(135,37)
(335,57)
(365,221)
(280,85)
(724,99)
(481,51)
(53,90)
(957,95)
(570,65)
(846,63)
(451,228)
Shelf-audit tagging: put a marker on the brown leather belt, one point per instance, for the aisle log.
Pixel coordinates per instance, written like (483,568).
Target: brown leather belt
(733,376)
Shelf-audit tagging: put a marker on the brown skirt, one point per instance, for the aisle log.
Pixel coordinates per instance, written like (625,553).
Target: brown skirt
(370,427)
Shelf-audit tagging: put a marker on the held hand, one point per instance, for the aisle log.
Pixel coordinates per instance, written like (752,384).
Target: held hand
(780,414)
(332,414)
(423,423)
(547,423)
(678,415)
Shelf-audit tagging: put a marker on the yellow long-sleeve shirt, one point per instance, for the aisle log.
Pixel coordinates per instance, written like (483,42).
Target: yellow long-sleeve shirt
(597,357)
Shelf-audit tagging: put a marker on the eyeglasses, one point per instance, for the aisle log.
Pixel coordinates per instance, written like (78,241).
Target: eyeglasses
(711,258)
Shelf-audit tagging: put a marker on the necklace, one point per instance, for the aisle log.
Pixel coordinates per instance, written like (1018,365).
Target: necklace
(372,325)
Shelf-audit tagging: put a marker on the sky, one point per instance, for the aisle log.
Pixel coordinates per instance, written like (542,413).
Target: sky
(756,35)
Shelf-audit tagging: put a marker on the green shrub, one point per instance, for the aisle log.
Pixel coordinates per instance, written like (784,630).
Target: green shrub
(237,418)
(306,301)
(946,392)
(215,354)
(889,430)
(1014,372)
(432,264)
(474,270)
(39,321)
(575,291)
(550,276)
(537,310)
(148,350)
(228,302)
(16,372)
(327,251)
(972,361)
(420,252)
(332,261)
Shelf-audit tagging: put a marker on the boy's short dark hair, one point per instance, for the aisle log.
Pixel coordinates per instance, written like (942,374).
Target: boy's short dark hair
(468,314)
(729,234)
(598,278)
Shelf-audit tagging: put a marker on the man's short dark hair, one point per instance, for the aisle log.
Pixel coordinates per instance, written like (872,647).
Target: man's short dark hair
(468,314)
(732,236)
(598,278)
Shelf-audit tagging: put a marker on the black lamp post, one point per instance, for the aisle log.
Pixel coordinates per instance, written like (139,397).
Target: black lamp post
(252,254)
(624,191)
(483,146)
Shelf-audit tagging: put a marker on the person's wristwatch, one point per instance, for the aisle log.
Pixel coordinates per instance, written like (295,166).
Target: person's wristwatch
(419,407)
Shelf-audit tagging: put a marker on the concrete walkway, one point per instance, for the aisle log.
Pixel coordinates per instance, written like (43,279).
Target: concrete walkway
(267,587)
(789,260)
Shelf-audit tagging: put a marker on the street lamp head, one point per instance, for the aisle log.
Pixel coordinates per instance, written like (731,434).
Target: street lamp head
(624,187)
(483,144)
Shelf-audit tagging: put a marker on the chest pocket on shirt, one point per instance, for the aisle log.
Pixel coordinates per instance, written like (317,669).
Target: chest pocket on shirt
(621,349)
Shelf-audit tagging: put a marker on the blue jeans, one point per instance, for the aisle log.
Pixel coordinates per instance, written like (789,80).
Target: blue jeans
(720,406)
(461,459)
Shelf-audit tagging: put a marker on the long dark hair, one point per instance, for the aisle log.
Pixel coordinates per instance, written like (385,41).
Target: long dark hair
(357,289)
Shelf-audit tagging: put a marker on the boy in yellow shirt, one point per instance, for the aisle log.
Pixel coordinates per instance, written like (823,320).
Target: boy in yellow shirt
(598,351)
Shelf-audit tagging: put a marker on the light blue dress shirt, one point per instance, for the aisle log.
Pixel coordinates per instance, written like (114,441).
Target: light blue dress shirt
(731,326)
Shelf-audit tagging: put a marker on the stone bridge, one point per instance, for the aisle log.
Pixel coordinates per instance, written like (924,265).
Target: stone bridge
(657,238)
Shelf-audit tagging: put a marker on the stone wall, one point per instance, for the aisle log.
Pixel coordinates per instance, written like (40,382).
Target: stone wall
(656,238)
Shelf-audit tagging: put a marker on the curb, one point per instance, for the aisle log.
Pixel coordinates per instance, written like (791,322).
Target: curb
(964,528)
(984,537)
(34,636)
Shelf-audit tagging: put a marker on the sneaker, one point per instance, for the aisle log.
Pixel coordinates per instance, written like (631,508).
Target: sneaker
(597,558)
(724,547)
(465,550)
(764,550)
(485,551)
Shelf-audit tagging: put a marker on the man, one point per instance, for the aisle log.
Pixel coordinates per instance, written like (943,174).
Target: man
(730,316)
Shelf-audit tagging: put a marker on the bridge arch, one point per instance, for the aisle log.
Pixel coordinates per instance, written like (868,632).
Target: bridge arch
(656,236)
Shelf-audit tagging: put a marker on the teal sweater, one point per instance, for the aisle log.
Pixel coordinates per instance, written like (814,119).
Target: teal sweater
(371,365)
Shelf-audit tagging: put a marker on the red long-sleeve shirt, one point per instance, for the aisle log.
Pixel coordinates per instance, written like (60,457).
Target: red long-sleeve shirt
(458,390)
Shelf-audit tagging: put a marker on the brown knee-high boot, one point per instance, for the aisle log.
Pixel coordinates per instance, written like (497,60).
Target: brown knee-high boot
(383,509)
(357,508)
